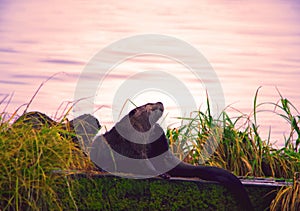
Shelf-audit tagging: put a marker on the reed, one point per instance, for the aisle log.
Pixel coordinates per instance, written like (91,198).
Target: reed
(31,157)
(288,197)
(239,149)
(242,150)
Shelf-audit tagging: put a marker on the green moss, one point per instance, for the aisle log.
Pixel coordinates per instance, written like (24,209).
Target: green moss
(187,195)
(112,193)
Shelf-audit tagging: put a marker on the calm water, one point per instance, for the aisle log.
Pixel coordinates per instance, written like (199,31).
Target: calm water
(248,43)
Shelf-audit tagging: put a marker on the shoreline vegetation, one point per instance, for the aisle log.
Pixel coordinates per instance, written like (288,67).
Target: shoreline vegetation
(29,154)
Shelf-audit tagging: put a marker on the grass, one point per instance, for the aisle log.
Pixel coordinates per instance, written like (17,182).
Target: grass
(239,149)
(222,142)
(31,155)
(288,197)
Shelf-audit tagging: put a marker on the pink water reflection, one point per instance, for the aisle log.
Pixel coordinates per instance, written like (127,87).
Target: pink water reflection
(249,44)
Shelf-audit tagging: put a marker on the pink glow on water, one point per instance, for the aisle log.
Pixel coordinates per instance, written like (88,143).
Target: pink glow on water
(248,43)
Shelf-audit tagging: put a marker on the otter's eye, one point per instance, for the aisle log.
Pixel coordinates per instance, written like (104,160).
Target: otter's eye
(132,112)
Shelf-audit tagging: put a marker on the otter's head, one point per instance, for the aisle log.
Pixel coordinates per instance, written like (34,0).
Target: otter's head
(144,117)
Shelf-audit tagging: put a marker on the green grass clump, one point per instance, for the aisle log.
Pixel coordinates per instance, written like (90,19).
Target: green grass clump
(224,143)
(30,159)
(288,197)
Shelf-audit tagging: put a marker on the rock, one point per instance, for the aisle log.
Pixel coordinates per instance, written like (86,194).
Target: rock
(34,119)
(85,126)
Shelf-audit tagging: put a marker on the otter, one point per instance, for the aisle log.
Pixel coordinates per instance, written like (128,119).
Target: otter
(85,126)
(137,145)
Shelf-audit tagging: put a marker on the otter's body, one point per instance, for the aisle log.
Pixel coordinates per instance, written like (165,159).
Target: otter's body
(137,137)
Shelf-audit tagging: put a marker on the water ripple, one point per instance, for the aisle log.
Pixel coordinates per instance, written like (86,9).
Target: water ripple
(30,76)
(8,50)
(13,82)
(62,61)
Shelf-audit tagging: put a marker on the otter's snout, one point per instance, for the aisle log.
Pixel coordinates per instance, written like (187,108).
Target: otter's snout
(157,110)
(158,106)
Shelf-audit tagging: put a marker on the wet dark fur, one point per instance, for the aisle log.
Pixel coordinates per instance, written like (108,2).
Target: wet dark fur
(141,120)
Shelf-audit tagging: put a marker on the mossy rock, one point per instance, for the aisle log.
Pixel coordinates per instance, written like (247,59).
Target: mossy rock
(108,192)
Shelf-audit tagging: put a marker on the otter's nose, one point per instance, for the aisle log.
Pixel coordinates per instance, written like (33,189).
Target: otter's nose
(159,106)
